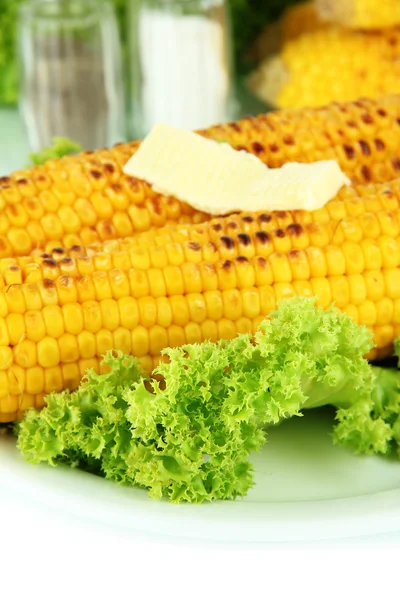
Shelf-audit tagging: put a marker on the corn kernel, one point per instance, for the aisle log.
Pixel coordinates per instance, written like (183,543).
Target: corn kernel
(375,284)
(71,376)
(226,329)
(335,261)
(140,341)
(25,354)
(209,330)
(367,313)
(53,320)
(122,340)
(48,353)
(16,328)
(176,335)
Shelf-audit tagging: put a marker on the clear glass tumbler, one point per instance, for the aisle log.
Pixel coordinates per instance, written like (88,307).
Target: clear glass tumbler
(71,75)
(181,63)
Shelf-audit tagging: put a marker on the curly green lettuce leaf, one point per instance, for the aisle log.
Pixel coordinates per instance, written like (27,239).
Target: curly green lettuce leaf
(371,424)
(61,147)
(188,434)
(312,357)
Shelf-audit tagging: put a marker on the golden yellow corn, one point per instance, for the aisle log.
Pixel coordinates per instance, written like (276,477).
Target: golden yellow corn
(79,200)
(361,14)
(360,203)
(363,136)
(218,282)
(328,63)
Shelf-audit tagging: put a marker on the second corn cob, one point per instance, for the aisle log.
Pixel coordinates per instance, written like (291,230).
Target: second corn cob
(370,203)
(368,206)
(329,63)
(79,200)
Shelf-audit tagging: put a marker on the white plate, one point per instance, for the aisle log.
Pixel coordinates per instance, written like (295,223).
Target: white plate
(306,489)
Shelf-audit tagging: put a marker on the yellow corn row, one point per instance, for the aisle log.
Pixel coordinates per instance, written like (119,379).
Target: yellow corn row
(361,14)
(366,206)
(83,199)
(326,63)
(219,282)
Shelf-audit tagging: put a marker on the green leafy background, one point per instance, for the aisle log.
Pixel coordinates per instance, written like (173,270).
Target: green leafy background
(248,18)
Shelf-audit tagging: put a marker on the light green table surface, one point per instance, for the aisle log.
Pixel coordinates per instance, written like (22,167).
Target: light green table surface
(14,147)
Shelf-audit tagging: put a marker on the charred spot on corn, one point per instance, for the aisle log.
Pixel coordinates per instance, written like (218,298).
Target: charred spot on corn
(96,174)
(135,184)
(295,229)
(242,259)
(244,239)
(227,242)
(366,173)
(288,140)
(109,168)
(365,149)
(232,225)
(108,228)
(247,219)
(261,261)
(349,150)
(67,260)
(227,265)
(235,126)
(66,281)
(257,147)
(367,118)
(265,218)
(48,283)
(279,233)
(217,226)
(49,262)
(58,250)
(262,237)
(194,246)
(396,163)
(294,254)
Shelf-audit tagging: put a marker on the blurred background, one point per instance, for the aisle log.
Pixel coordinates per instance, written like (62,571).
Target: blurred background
(102,71)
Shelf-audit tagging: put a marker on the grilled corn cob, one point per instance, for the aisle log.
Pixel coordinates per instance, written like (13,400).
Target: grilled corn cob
(211,286)
(365,202)
(361,14)
(329,63)
(86,198)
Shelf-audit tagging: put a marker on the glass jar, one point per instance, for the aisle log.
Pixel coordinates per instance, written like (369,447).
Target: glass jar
(71,82)
(180,62)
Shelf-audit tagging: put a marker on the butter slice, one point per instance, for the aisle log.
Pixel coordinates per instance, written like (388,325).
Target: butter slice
(215,178)
(297,186)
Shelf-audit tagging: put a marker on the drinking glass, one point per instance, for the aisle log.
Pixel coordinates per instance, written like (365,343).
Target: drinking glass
(71,76)
(180,63)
